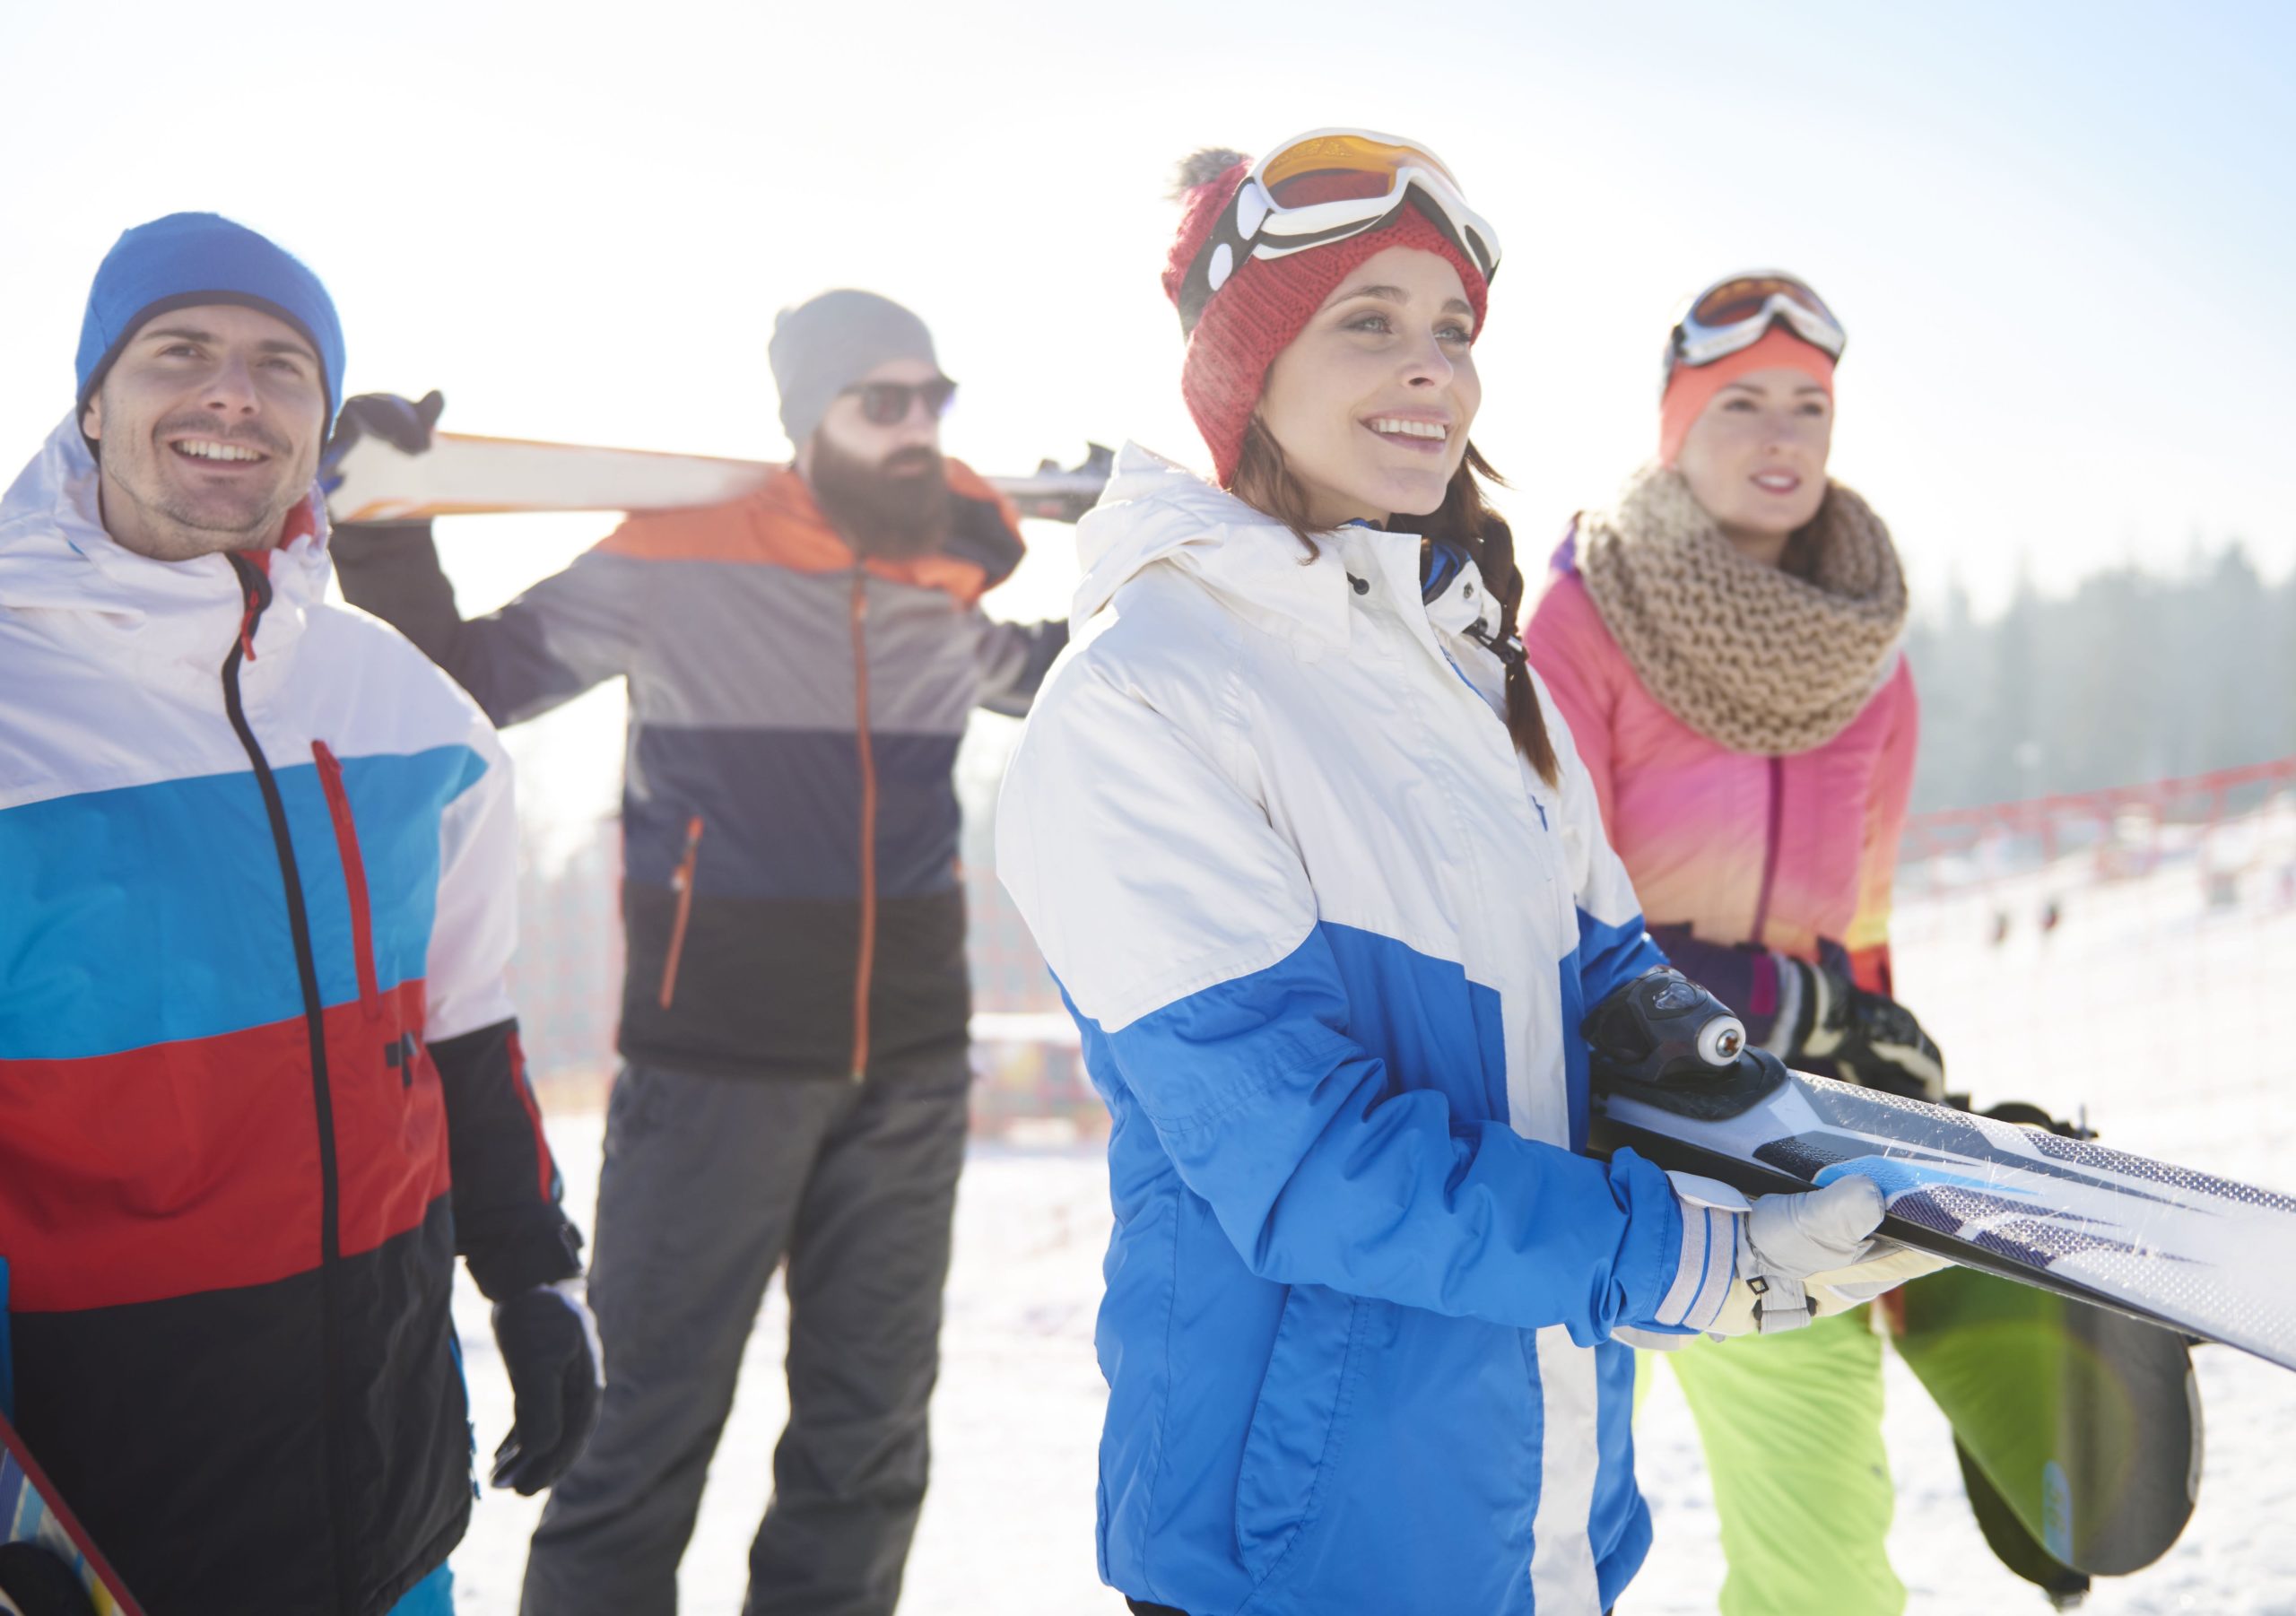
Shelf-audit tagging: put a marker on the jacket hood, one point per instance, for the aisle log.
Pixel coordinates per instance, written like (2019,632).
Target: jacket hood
(55,557)
(1155,510)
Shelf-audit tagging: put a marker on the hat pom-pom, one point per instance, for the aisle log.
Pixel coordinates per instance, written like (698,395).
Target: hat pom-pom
(1200,168)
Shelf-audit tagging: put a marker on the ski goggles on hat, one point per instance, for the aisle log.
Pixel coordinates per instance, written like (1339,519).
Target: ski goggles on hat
(887,403)
(1326,187)
(1734,315)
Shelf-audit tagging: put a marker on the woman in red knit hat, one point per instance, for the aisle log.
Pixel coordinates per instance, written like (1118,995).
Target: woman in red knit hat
(1724,645)
(1327,890)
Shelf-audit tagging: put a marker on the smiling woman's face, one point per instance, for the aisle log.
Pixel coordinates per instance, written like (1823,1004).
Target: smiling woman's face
(1372,402)
(1755,459)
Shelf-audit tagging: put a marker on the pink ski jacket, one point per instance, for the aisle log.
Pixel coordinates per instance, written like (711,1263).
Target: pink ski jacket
(1791,855)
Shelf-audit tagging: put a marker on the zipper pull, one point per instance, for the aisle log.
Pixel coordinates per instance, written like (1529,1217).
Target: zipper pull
(255,589)
(681,883)
(682,877)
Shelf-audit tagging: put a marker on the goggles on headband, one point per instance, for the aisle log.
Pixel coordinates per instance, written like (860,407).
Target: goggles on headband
(1734,314)
(1326,187)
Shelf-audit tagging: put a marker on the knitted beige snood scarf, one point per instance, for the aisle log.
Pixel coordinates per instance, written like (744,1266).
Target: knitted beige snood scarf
(1747,654)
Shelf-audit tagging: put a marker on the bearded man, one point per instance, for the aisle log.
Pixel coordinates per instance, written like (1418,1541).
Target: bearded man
(800,663)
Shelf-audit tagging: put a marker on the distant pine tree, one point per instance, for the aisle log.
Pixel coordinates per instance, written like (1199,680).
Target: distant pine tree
(2132,676)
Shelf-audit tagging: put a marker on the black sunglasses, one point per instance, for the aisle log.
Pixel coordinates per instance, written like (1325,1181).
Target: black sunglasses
(887,403)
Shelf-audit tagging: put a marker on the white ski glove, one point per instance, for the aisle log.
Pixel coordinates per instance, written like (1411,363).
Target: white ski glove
(1794,1258)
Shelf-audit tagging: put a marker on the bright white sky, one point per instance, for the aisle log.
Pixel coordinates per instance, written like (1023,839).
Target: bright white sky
(2061,235)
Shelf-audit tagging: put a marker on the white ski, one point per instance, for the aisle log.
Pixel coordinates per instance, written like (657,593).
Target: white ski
(461,475)
(2201,1254)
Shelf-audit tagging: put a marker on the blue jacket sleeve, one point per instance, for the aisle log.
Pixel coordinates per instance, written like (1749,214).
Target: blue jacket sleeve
(1322,1171)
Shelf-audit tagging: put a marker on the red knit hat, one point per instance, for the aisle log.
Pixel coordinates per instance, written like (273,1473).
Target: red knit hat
(1691,387)
(1262,307)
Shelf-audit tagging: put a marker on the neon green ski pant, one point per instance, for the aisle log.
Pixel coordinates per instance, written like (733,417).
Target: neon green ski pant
(1792,1427)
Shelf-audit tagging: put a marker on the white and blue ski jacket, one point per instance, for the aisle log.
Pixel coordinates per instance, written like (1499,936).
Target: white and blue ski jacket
(1328,941)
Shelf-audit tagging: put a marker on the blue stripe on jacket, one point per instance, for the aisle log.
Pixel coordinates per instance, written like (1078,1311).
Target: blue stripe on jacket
(154,914)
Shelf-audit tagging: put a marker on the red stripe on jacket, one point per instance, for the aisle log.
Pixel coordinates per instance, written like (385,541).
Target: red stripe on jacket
(181,1168)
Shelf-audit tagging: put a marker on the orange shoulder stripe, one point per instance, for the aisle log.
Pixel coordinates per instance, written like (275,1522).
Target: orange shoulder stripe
(778,525)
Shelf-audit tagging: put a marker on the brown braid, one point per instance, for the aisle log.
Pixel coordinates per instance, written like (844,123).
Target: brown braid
(1266,482)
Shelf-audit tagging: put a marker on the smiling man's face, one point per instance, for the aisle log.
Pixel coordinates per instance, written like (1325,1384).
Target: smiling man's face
(209,426)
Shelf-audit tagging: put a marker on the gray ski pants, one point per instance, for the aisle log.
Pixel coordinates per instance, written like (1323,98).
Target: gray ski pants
(708,1182)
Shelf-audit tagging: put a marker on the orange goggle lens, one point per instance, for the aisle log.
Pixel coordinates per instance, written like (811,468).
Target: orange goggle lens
(1333,168)
(1743,299)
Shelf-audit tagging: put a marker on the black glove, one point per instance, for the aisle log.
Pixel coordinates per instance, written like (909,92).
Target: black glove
(1840,1030)
(403,424)
(550,1348)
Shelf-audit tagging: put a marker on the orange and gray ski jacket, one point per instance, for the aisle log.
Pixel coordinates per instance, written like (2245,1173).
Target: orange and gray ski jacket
(791,897)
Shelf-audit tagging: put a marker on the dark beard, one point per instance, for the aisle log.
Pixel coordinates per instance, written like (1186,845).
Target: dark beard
(899,508)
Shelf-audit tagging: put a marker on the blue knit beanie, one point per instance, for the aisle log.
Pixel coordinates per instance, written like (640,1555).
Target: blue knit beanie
(190,259)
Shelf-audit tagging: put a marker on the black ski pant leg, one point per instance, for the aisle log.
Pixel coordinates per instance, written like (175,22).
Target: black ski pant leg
(866,1268)
(700,1193)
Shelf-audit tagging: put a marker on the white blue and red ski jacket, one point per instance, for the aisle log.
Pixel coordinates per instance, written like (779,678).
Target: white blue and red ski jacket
(258,1070)
(1328,941)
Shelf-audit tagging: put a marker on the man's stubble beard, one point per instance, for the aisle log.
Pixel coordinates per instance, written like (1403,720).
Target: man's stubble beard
(897,516)
(173,523)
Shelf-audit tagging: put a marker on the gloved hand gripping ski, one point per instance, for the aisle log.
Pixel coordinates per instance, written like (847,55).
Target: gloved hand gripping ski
(406,424)
(2186,1248)
(1794,1258)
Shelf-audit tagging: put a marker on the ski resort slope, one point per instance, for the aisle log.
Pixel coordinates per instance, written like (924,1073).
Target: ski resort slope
(2155,1001)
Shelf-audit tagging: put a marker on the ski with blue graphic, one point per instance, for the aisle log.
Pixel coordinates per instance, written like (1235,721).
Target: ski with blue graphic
(2200,1254)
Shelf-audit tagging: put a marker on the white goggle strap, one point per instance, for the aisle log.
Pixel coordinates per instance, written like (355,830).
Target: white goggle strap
(1702,345)
(1280,231)
(1253,226)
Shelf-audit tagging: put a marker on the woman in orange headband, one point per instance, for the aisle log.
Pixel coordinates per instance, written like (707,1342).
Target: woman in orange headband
(1723,645)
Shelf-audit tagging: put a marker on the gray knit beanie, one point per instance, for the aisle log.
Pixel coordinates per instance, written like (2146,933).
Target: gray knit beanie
(825,345)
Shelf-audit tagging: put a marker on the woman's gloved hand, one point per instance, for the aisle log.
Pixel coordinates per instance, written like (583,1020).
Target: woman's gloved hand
(1830,1026)
(1791,1259)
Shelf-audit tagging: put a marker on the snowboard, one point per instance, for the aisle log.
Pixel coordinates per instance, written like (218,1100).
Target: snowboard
(2083,1424)
(2012,1545)
(461,475)
(47,1565)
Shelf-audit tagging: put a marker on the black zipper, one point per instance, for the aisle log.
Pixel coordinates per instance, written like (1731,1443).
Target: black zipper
(256,587)
(1777,819)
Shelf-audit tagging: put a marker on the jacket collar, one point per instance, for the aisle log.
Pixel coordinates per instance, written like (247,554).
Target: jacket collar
(1154,510)
(55,558)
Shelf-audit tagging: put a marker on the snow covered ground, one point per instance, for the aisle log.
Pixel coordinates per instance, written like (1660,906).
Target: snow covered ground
(2157,1002)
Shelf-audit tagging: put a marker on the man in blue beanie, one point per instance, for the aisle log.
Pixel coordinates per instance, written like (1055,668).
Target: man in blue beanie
(259,1074)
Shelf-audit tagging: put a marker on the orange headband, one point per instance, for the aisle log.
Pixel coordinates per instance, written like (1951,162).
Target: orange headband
(1694,387)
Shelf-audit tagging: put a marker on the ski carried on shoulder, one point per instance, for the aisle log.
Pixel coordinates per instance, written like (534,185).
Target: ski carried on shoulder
(2201,1255)
(461,475)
